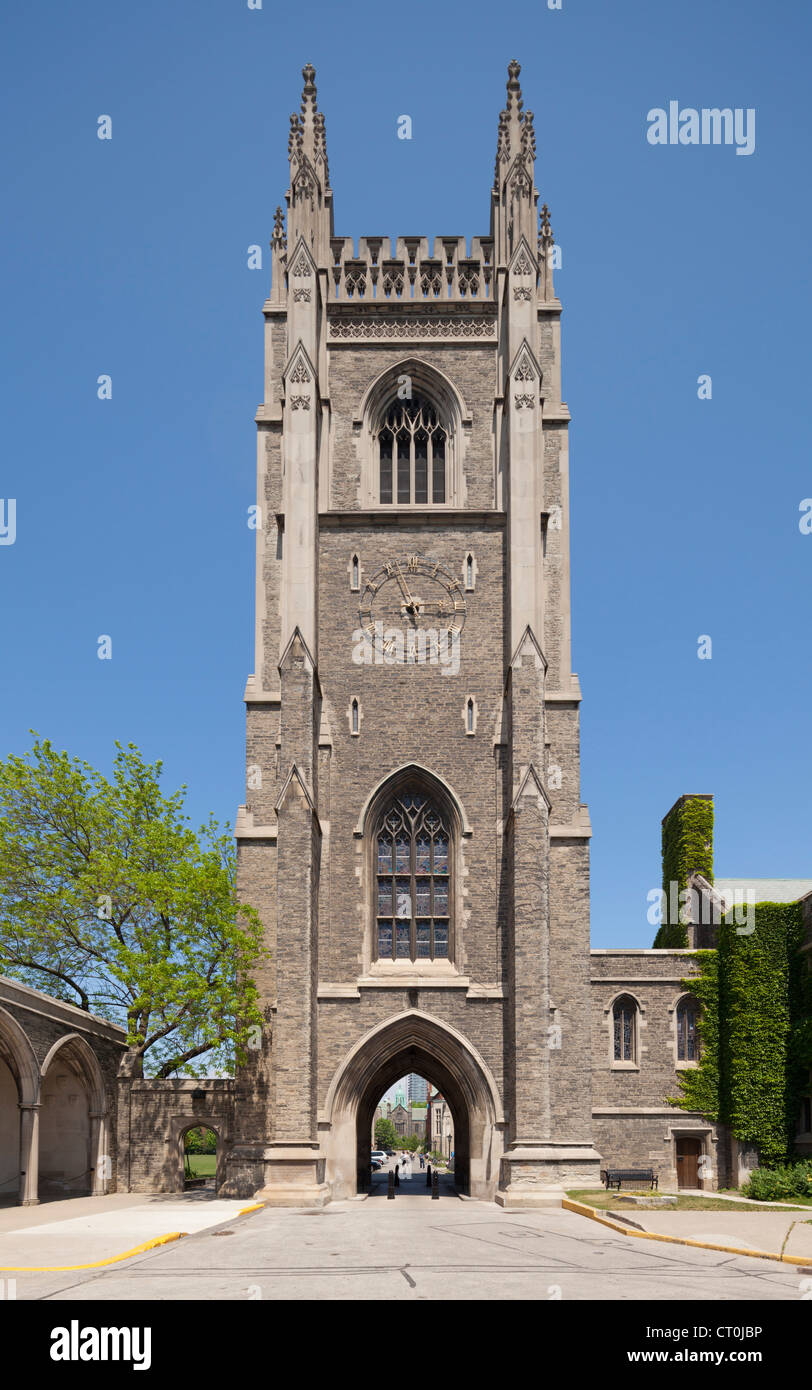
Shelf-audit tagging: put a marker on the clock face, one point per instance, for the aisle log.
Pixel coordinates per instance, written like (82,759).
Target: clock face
(413,594)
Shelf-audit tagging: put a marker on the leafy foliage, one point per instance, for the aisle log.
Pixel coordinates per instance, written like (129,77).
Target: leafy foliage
(700,1085)
(687,846)
(200,1141)
(780,1184)
(386,1136)
(756,997)
(110,901)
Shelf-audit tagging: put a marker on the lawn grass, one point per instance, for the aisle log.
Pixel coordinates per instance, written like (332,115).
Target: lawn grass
(608,1201)
(202,1165)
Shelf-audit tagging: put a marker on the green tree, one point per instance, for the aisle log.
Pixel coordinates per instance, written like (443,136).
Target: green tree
(386,1136)
(110,901)
(200,1141)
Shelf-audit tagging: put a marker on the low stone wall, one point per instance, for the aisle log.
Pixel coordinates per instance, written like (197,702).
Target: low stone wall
(153,1118)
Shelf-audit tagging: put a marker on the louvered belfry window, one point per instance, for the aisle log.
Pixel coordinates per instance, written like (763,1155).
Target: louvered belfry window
(412,455)
(412,881)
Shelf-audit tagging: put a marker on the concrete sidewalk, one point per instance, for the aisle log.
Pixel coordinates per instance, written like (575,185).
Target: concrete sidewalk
(84,1230)
(770,1231)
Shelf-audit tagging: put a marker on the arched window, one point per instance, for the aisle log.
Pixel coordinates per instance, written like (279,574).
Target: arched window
(411,450)
(412,880)
(624,1029)
(687,1030)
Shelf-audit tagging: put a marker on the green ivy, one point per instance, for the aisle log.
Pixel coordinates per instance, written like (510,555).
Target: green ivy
(687,846)
(756,1030)
(700,1085)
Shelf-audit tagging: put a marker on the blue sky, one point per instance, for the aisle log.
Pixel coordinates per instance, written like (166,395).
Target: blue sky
(128,257)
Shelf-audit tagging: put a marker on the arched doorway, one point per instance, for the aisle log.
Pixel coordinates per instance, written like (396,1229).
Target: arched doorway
(19,1114)
(202,1152)
(9,1134)
(414,1042)
(73,1157)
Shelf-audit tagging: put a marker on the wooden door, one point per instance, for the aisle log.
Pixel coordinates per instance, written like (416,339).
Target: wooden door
(688,1151)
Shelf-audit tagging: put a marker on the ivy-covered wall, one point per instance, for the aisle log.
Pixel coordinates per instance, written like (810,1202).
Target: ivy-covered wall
(756,1030)
(687,846)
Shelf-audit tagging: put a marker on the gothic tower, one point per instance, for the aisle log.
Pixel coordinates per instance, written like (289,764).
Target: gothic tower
(413,835)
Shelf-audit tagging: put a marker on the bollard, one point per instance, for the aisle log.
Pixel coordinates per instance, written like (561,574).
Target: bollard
(390,1188)
(435,1185)
(428,1176)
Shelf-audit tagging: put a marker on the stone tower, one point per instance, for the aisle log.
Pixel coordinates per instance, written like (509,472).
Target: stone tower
(413,835)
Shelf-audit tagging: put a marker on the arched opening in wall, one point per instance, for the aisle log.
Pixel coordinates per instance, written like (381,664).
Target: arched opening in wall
(444,1142)
(19,1093)
(419,1045)
(9,1132)
(66,1167)
(200,1153)
(412,1136)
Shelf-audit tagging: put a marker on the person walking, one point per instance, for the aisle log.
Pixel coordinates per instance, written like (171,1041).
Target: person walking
(397,1175)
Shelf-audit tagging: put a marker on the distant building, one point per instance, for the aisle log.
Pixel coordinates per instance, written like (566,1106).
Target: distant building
(440,1125)
(418,1089)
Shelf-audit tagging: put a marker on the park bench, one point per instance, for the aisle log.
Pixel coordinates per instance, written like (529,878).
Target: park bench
(613,1177)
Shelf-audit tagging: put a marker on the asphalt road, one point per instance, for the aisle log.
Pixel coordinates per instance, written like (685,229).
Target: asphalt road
(414,1249)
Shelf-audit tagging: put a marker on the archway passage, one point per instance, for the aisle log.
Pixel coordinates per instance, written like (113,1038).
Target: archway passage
(9,1135)
(414,1060)
(414,1043)
(200,1152)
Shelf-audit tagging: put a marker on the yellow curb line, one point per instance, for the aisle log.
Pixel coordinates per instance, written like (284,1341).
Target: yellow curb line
(97,1264)
(245,1210)
(582,1210)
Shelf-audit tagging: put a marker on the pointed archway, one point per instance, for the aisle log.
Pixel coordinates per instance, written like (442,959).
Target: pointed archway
(413,1042)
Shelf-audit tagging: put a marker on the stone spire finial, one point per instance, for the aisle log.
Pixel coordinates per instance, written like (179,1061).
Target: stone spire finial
(514,91)
(514,192)
(516,132)
(278,235)
(546,237)
(295,136)
(528,135)
(308,109)
(320,146)
(502,146)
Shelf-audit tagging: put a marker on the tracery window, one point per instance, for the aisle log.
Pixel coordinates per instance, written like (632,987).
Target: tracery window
(412,880)
(624,1028)
(411,448)
(687,1030)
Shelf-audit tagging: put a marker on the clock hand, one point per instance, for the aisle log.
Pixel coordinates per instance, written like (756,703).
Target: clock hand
(404,590)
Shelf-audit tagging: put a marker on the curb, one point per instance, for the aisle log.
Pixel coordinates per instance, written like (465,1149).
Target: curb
(581,1209)
(95,1264)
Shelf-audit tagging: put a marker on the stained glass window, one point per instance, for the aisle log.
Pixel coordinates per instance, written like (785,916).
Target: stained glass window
(624,1019)
(412,880)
